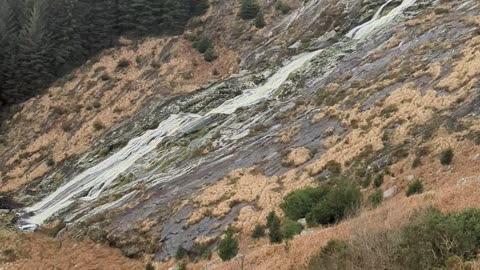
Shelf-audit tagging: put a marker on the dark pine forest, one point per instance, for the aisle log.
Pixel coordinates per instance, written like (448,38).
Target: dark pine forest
(42,40)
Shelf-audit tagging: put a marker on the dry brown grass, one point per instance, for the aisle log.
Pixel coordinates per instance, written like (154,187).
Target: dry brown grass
(37,251)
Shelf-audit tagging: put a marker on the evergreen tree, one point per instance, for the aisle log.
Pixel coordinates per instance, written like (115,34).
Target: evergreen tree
(41,40)
(259,20)
(248,9)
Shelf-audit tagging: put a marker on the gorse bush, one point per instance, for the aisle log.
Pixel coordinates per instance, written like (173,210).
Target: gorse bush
(341,201)
(290,228)
(248,9)
(416,187)
(123,63)
(322,205)
(203,44)
(260,20)
(258,231)
(274,229)
(376,198)
(333,167)
(431,240)
(378,182)
(149,266)
(446,157)
(298,204)
(282,7)
(228,246)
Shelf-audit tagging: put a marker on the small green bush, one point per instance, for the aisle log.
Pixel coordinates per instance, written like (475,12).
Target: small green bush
(332,256)
(181,253)
(105,77)
(282,7)
(290,228)
(376,198)
(378,182)
(96,104)
(446,157)
(182,266)
(203,44)
(228,246)
(416,187)
(338,204)
(274,230)
(260,20)
(298,204)
(149,266)
(98,125)
(417,162)
(430,240)
(123,63)
(258,231)
(334,167)
(50,162)
(367,180)
(209,55)
(200,252)
(248,9)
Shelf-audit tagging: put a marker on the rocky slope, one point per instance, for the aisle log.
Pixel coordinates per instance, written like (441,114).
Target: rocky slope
(182,151)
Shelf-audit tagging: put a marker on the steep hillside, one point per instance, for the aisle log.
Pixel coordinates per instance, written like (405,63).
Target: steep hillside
(152,150)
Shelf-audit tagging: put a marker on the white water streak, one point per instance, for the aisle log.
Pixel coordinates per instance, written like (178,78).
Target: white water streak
(378,21)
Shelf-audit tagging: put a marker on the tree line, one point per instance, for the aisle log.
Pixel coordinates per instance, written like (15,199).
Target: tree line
(42,40)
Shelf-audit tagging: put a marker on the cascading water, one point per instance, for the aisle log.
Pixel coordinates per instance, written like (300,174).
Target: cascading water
(378,21)
(95,179)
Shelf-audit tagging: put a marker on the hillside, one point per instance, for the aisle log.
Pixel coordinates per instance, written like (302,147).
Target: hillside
(153,147)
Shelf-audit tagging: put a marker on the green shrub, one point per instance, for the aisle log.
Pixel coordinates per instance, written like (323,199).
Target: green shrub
(203,44)
(200,252)
(338,203)
(430,240)
(105,77)
(50,162)
(282,7)
(367,180)
(274,231)
(378,182)
(417,162)
(228,246)
(332,256)
(215,72)
(260,20)
(376,198)
(96,104)
(290,228)
(258,231)
(181,253)
(298,204)
(182,266)
(248,9)
(416,187)
(446,157)
(149,266)
(209,55)
(123,63)
(98,125)
(334,167)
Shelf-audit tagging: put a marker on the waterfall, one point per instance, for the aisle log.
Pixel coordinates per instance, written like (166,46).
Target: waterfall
(95,179)
(378,21)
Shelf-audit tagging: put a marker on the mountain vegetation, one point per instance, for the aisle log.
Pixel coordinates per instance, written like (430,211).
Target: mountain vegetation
(42,40)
